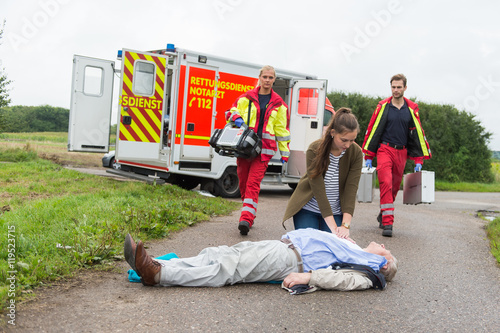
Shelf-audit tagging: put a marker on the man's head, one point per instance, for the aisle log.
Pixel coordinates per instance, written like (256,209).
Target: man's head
(398,85)
(390,269)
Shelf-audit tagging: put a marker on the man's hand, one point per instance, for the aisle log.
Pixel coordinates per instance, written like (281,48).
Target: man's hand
(296,278)
(418,167)
(368,164)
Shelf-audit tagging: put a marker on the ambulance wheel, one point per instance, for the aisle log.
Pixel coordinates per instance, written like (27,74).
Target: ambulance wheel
(228,186)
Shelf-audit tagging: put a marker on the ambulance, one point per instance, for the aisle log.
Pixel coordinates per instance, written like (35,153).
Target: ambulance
(170,102)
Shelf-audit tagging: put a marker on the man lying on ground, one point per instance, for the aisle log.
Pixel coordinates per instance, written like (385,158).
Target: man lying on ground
(329,262)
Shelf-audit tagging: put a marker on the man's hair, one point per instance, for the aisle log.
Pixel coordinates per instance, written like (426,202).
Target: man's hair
(398,77)
(391,270)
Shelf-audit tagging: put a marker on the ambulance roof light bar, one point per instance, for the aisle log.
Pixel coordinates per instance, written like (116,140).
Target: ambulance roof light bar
(120,54)
(170,48)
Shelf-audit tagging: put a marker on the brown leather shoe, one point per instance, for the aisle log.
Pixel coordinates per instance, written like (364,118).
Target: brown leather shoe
(146,267)
(129,250)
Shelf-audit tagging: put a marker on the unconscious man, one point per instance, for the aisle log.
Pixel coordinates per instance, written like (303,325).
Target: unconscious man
(302,257)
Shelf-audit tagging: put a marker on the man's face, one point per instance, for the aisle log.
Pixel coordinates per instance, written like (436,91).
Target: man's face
(379,249)
(267,79)
(398,88)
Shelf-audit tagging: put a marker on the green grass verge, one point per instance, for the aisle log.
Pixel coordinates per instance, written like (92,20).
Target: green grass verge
(57,221)
(493,232)
(467,187)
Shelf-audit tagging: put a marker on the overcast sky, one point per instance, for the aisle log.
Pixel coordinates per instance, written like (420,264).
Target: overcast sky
(449,50)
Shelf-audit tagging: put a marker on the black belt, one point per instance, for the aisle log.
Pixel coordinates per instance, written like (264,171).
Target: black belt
(399,147)
(299,259)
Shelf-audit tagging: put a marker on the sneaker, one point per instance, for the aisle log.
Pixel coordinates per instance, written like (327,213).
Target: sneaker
(379,219)
(387,232)
(244,227)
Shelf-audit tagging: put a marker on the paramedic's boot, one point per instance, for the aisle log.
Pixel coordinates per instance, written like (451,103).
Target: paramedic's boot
(379,219)
(129,250)
(244,227)
(147,268)
(387,232)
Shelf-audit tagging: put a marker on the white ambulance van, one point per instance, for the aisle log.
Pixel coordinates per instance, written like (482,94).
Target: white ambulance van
(170,102)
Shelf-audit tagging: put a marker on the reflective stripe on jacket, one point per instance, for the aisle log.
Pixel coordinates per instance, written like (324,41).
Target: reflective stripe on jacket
(418,147)
(276,129)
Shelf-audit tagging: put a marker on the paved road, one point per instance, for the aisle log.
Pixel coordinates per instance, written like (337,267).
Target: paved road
(447,281)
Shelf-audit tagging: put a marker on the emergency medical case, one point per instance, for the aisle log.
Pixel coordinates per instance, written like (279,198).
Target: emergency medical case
(236,142)
(418,187)
(366,185)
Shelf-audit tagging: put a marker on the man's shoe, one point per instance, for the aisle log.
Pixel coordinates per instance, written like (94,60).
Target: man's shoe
(379,219)
(244,227)
(387,232)
(147,268)
(129,250)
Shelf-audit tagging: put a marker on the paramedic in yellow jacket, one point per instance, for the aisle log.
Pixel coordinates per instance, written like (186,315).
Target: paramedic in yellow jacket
(270,119)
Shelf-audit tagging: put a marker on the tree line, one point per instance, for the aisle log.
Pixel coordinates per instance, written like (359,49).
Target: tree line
(458,142)
(43,118)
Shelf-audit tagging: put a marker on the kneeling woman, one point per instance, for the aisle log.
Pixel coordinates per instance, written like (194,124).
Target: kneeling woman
(326,195)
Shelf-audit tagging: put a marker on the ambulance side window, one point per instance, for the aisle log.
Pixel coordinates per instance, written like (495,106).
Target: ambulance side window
(308,101)
(326,117)
(143,82)
(93,81)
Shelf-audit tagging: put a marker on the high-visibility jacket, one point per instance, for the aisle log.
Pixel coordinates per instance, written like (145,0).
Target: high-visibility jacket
(417,146)
(276,129)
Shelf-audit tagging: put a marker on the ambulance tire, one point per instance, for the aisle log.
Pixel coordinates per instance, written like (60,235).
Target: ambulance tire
(228,185)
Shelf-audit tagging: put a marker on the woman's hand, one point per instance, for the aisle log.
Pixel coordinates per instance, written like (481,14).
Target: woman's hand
(296,278)
(342,232)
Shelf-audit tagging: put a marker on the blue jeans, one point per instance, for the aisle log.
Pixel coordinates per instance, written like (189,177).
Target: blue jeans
(307,219)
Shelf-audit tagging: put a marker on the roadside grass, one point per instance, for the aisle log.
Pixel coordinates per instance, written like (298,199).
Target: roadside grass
(493,232)
(58,221)
(468,187)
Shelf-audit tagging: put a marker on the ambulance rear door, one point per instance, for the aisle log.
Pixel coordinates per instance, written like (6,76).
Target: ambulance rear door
(306,122)
(91,101)
(141,107)
(197,108)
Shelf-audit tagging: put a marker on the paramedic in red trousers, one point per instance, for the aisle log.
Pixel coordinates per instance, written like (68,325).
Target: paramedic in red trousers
(270,119)
(393,135)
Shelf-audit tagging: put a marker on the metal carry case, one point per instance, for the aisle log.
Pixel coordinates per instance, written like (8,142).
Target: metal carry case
(366,185)
(418,187)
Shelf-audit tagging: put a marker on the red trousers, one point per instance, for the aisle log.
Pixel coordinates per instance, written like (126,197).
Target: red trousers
(390,167)
(250,174)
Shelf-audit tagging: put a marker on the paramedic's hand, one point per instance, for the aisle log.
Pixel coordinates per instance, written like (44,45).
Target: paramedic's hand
(418,167)
(296,278)
(368,164)
(239,121)
(284,160)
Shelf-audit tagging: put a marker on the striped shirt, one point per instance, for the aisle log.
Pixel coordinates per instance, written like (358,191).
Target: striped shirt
(331,187)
